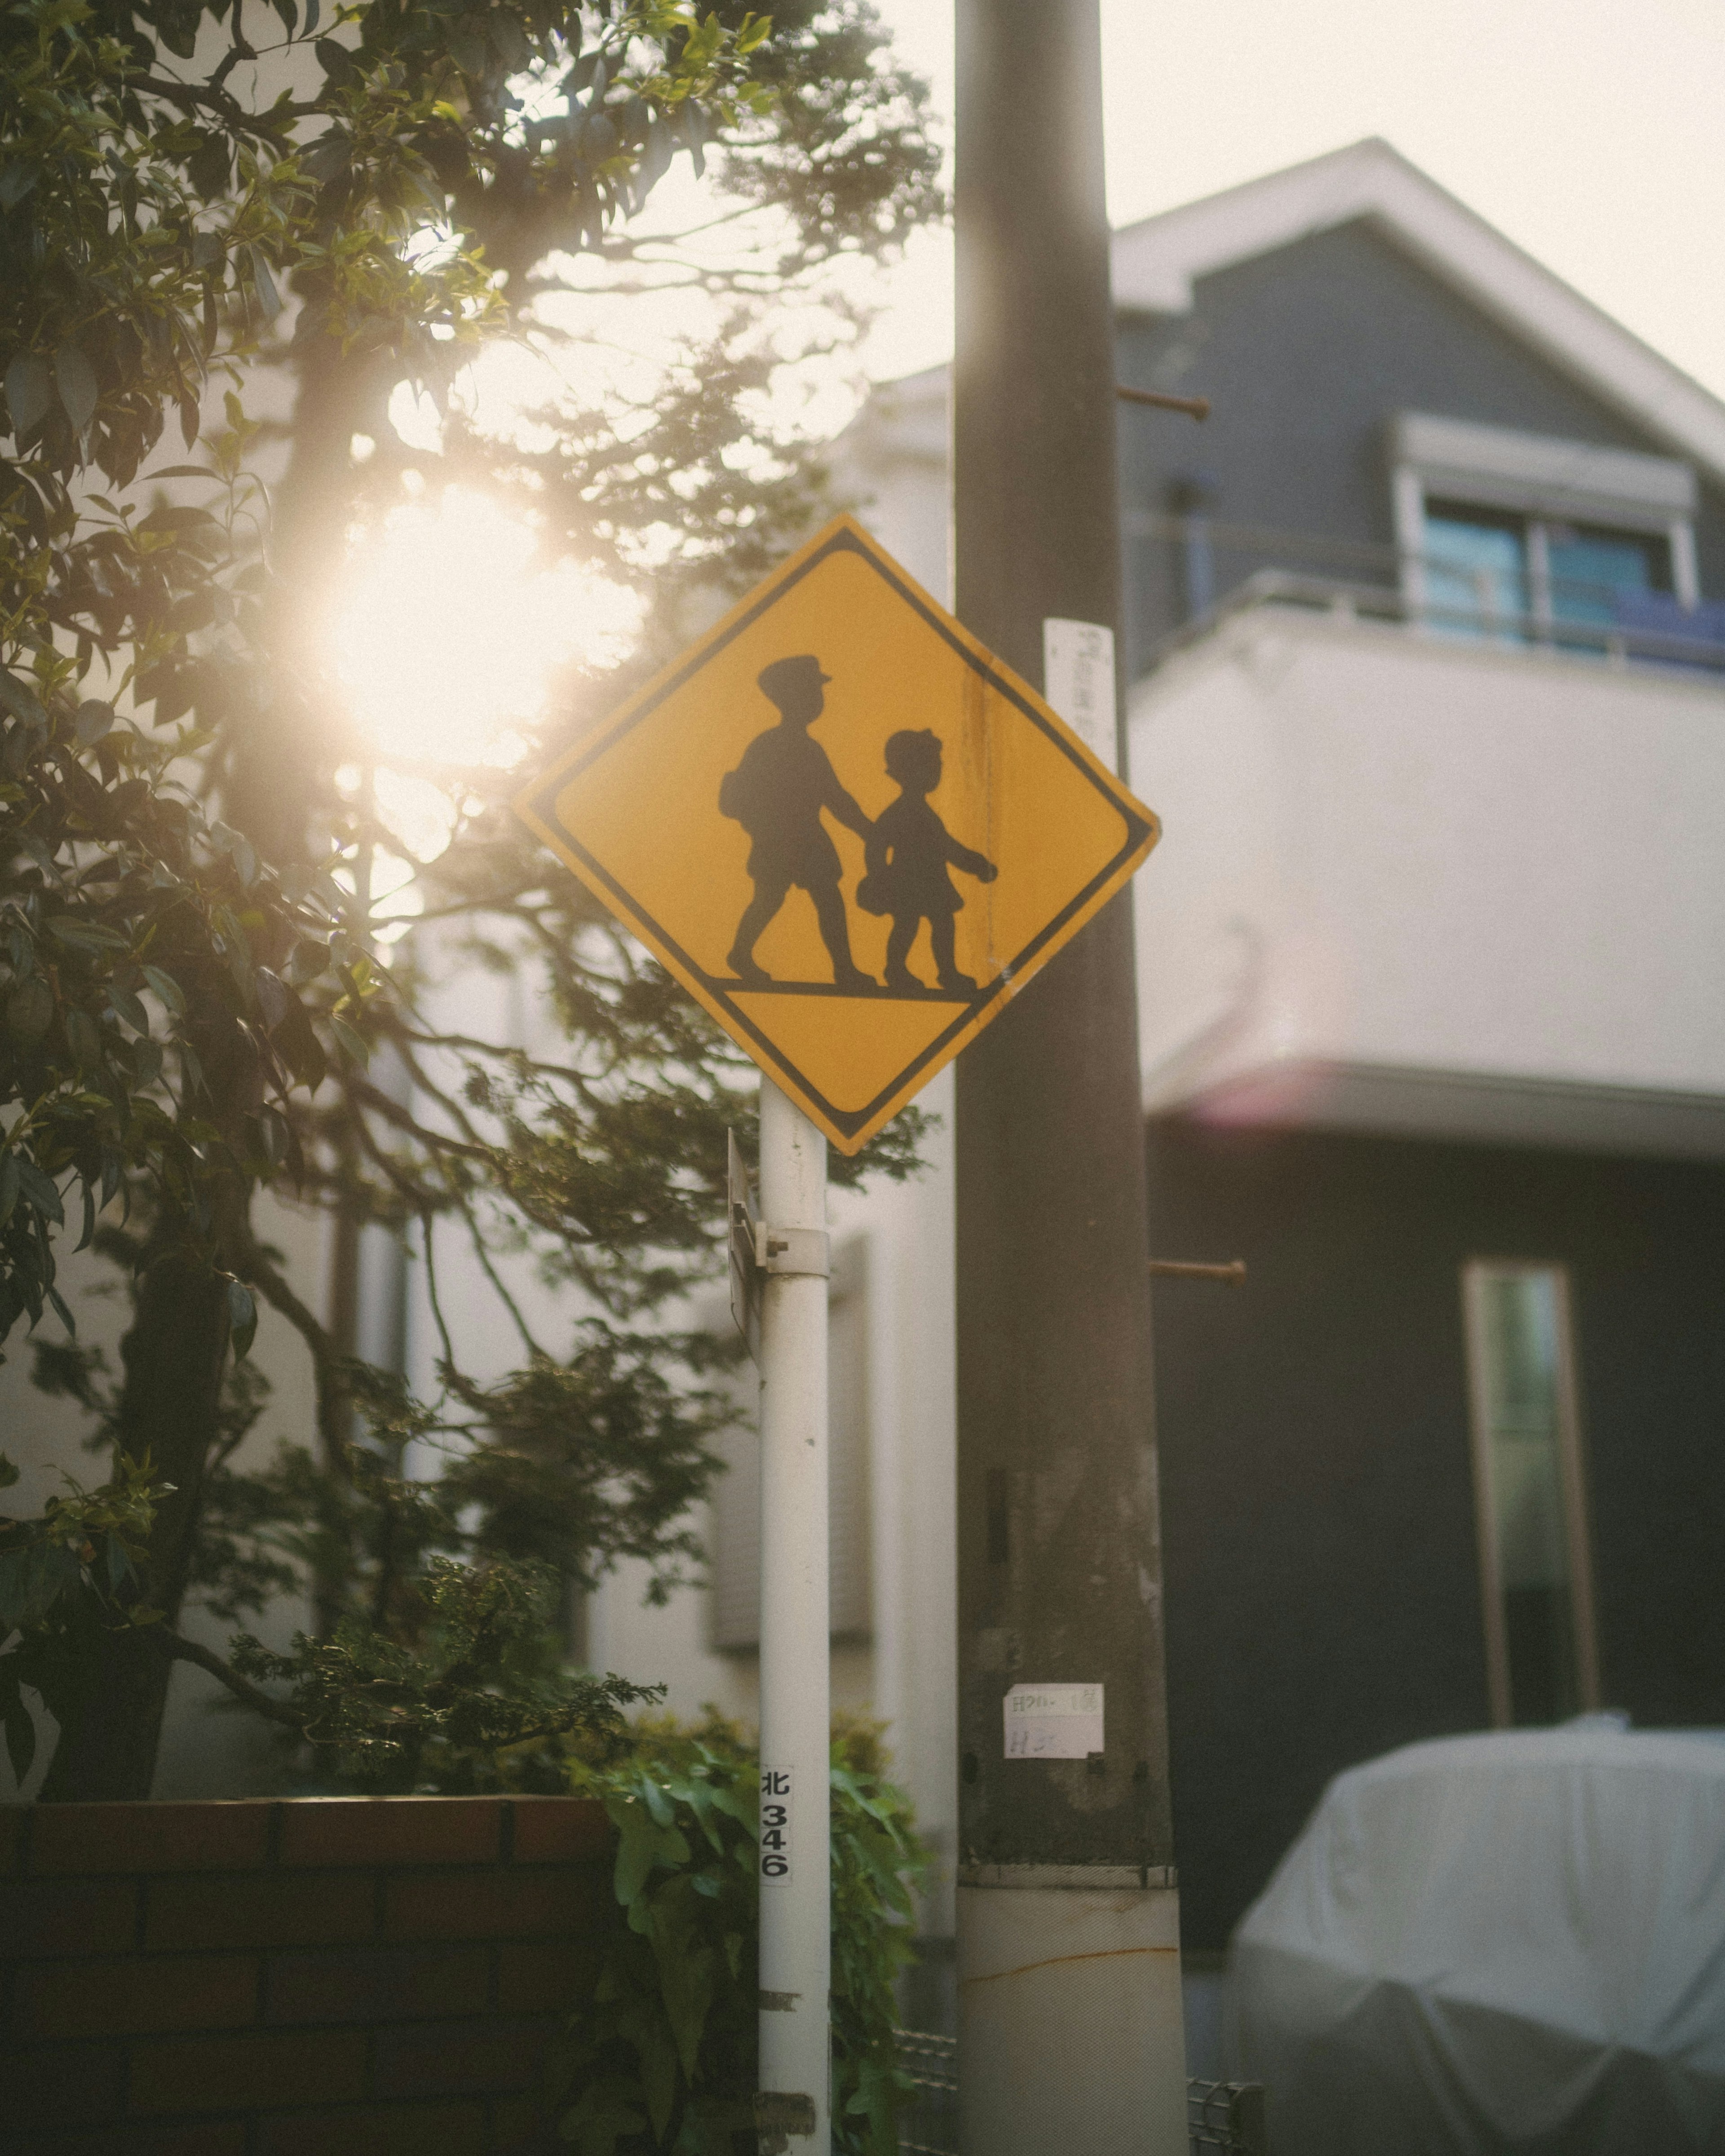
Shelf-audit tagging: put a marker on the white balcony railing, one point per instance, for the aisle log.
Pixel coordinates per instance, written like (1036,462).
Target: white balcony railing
(1383,584)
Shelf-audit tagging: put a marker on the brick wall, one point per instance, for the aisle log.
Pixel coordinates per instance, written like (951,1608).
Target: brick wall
(321,1977)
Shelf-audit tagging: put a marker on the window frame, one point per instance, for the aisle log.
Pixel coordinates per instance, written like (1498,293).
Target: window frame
(1475,1273)
(1545,480)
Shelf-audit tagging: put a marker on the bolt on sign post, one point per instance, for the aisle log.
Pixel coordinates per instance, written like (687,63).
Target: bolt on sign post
(1070,2022)
(854,836)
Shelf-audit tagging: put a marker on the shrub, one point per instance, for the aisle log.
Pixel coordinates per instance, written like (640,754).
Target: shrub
(663,2059)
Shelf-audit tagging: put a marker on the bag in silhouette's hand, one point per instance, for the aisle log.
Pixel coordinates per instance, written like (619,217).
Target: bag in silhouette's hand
(735,798)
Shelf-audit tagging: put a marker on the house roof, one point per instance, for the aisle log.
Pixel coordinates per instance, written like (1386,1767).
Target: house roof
(1157,261)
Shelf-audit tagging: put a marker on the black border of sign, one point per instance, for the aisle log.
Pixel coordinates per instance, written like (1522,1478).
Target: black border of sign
(542,798)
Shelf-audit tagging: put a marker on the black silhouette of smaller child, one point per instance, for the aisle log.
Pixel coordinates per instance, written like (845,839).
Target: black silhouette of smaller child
(906,865)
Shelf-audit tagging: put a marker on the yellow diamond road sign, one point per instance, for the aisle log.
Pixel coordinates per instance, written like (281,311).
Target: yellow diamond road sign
(846,828)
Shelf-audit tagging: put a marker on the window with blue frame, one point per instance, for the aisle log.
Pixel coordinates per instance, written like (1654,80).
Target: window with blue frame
(1495,574)
(1475,562)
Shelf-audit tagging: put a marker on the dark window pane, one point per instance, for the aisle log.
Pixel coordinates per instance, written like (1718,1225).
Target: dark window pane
(1475,570)
(1591,567)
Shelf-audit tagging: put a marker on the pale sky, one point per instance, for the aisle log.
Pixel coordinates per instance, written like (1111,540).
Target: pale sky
(1591,132)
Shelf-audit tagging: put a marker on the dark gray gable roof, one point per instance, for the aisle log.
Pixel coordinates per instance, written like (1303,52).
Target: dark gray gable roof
(1157,261)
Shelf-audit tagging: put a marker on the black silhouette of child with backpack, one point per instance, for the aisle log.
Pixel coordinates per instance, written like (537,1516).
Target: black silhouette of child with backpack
(907,854)
(778,793)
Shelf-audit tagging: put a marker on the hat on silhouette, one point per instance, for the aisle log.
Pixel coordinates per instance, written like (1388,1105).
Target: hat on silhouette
(785,678)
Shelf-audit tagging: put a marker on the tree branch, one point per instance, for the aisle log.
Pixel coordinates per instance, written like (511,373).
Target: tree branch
(180,1650)
(333,1401)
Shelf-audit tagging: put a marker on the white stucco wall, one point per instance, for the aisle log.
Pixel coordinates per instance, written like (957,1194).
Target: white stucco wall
(205,1750)
(890,466)
(1385,850)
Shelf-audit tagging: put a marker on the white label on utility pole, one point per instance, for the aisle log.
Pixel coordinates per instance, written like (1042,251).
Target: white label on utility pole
(1053,1721)
(775,1826)
(1078,680)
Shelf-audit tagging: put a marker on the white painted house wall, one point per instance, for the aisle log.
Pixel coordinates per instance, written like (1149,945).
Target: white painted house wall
(1413,882)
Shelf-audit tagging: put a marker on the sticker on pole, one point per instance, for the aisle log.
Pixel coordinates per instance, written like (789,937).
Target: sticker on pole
(848,830)
(775,1826)
(1053,1721)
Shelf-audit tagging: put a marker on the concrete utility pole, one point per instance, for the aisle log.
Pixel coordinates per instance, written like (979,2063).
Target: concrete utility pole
(1069,2027)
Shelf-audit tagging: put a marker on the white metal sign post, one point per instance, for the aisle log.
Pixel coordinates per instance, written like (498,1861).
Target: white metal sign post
(795,1856)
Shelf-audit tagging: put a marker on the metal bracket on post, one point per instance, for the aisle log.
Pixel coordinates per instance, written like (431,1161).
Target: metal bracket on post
(804,1250)
(744,1225)
(757,1251)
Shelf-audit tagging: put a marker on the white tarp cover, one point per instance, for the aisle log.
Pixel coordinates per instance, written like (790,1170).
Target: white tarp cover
(1494,1943)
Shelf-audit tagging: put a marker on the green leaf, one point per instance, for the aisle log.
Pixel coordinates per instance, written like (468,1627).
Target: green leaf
(22,702)
(94,719)
(32,1580)
(272,997)
(29,1010)
(83,1038)
(38,1188)
(207,167)
(294,1036)
(124,1005)
(29,394)
(659,2076)
(10,1471)
(16,182)
(686,1970)
(86,935)
(119,1566)
(351,1043)
(637,1846)
(306,962)
(263,282)
(20,1724)
(329,155)
(242,1317)
(167,989)
(75,377)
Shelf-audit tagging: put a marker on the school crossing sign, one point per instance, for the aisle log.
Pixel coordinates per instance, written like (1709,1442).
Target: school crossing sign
(848,830)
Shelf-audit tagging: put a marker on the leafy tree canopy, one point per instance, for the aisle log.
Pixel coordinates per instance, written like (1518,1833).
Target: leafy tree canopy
(209,213)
